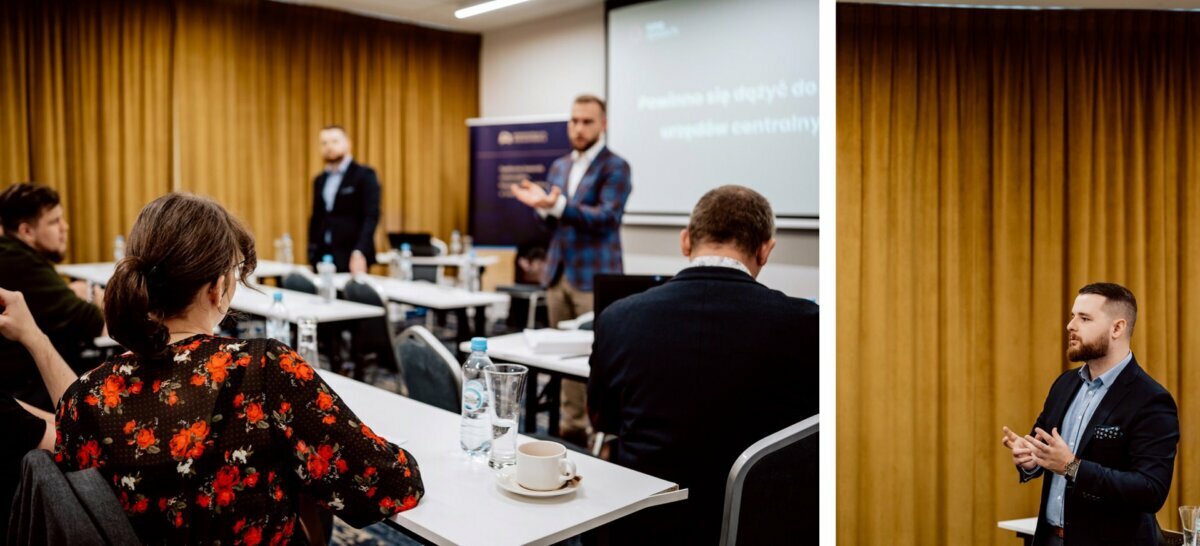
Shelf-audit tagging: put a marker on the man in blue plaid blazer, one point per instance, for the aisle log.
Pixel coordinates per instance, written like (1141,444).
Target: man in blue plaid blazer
(588,190)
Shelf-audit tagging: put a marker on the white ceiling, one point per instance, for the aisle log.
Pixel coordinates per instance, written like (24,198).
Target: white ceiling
(1070,4)
(440,13)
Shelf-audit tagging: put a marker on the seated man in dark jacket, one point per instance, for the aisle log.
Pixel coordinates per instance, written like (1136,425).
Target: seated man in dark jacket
(34,239)
(691,373)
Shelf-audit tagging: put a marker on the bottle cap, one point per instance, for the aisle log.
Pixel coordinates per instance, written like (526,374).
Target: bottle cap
(405,246)
(279,296)
(328,258)
(479,344)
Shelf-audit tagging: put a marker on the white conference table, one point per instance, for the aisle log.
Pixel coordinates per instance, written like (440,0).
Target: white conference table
(449,260)
(426,294)
(513,348)
(99,272)
(299,304)
(1024,528)
(434,296)
(462,503)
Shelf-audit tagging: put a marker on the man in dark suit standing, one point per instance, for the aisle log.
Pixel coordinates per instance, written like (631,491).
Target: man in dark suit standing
(691,373)
(588,190)
(345,206)
(1106,438)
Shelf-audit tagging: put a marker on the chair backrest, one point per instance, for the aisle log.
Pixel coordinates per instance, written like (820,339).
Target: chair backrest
(439,247)
(374,337)
(429,273)
(74,508)
(429,371)
(299,283)
(771,496)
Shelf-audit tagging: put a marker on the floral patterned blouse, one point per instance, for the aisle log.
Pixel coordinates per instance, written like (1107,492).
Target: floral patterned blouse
(218,445)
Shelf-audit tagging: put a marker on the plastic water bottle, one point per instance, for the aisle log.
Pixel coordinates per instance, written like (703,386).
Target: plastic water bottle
(406,265)
(455,243)
(475,435)
(119,248)
(286,247)
(278,326)
(472,272)
(326,270)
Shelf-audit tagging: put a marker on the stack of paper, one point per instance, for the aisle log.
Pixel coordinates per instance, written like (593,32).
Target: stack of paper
(549,341)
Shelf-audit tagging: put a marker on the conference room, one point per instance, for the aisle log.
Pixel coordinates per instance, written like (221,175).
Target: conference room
(409,272)
(1016,220)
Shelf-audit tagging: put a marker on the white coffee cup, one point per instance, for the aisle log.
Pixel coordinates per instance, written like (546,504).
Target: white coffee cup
(543,466)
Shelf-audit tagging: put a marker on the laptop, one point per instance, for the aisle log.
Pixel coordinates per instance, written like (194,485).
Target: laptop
(610,288)
(421,243)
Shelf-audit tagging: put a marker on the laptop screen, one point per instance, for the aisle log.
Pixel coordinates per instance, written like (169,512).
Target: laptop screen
(610,288)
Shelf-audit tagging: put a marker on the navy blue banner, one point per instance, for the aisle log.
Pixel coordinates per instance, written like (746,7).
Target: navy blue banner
(503,154)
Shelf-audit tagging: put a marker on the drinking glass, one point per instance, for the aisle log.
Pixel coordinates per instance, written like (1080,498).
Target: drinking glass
(1189,514)
(306,341)
(505,388)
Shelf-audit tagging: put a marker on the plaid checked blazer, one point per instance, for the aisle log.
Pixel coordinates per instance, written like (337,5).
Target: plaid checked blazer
(587,238)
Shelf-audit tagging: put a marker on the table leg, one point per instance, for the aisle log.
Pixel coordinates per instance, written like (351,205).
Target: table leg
(532,403)
(464,329)
(553,388)
(481,320)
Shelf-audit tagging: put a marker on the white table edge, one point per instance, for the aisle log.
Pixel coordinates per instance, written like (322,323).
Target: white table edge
(671,495)
(1023,525)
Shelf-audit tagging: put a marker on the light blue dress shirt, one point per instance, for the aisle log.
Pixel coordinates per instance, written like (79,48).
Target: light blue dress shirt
(1079,414)
(333,180)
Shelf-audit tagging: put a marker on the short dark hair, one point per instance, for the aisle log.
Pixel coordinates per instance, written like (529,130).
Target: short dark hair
(732,214)
(335,126)
(179,244)
(586,98)
(25,202)
(1118,300)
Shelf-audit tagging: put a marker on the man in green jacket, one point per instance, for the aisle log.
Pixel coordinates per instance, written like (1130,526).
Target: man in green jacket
(34,239)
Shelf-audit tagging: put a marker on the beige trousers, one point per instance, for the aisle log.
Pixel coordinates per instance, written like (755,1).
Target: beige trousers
(564,302)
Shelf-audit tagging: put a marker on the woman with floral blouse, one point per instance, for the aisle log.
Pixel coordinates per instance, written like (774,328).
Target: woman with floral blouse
(207,438)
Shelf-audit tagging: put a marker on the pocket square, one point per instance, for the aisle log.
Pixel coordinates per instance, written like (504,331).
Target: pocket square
(1109,432)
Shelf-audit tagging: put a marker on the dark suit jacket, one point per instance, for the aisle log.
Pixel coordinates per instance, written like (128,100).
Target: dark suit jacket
(352,221)
(1126,468)
(587,239)
(691,373)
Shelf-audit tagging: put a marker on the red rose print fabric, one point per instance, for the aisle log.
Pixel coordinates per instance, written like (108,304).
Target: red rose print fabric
(218,443)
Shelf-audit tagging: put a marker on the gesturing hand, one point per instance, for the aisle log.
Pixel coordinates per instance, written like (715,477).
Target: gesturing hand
(533,195)
(1050,451)
(1022,452)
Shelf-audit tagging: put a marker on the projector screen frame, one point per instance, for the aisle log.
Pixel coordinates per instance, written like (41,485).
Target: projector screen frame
(784,223)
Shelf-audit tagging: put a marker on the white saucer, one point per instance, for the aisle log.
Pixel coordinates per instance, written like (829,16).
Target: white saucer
(507,480)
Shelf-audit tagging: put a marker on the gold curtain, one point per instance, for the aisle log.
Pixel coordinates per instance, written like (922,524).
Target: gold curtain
(85,108)
(990,163)
(120,102)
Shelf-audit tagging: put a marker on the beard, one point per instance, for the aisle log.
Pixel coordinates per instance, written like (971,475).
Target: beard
(585,145)
(55,256)
(334,159)
(1088,351)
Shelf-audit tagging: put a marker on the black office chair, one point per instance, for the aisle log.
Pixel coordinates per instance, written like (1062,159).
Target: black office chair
(771,496)
(374,335)
(299,283)
(73,508)
(430,373)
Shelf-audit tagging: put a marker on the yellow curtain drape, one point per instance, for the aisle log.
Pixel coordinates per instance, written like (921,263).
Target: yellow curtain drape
(990,163)
(115,103)
(85,108)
